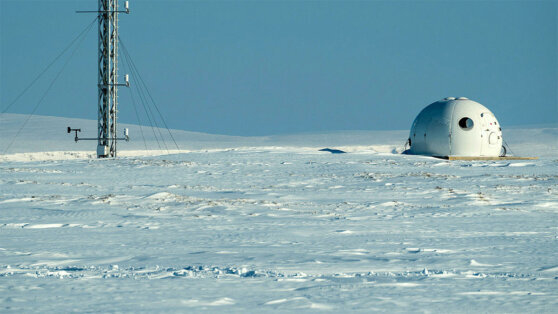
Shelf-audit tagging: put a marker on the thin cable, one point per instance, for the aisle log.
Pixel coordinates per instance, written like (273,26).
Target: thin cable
(508,147)
(47,90)
(142,100)
(148,113)
(154,118)
(145,101)
(48,66)
(136,110)
(158,111)
(137,116)
(152,100)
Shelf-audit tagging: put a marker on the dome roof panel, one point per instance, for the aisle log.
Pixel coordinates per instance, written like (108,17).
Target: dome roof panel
(436,130)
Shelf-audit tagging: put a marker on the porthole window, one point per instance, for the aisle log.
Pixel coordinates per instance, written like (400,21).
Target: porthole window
(466,123)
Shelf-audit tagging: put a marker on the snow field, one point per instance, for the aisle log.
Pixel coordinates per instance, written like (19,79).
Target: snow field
(278,228)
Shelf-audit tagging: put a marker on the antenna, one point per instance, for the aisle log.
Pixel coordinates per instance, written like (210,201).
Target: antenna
(107,77)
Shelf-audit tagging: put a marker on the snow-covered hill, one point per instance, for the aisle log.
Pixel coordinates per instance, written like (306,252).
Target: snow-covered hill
(242,224)
(44,134)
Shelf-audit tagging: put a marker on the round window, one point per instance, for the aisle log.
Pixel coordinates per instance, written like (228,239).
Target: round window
(466,123)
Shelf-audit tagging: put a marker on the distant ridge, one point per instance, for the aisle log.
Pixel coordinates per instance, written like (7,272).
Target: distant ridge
(48,134)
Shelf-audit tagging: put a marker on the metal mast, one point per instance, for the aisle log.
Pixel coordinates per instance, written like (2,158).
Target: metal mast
(107,78)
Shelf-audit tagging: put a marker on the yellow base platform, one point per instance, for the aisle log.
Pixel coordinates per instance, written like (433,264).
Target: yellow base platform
(488,158)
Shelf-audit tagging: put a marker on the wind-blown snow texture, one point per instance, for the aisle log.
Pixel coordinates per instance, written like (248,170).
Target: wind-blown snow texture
(279,225)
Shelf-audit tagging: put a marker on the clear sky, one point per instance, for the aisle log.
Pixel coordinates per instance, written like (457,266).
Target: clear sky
(272,67)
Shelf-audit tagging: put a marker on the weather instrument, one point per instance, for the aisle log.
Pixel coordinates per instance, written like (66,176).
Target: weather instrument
(107,81)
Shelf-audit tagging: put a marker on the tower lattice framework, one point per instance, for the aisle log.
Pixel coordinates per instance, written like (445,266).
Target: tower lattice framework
(107,78)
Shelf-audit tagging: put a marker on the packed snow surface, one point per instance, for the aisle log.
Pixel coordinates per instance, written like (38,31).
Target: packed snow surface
(272,223)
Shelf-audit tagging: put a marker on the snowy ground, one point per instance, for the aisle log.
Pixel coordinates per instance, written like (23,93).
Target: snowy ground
(259,224)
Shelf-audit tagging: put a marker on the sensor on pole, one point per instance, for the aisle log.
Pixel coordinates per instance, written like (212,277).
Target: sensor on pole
(107,78)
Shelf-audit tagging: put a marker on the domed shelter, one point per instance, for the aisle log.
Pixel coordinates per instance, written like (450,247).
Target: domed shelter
(455,127)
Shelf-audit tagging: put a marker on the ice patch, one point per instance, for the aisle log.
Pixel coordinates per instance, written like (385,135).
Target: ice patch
(278,301)
(353,252)
(300,302)
(14,200)
(218,302)
(442,251)
(475,263)
(320,306)
(522,164)
(344,231)
(161,196)
(44,226)
(55,262)
(486,292)
(548,205)
(399,284)
(549,269)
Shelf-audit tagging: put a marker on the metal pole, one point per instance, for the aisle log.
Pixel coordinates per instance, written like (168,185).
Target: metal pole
(107,78)
(114,74)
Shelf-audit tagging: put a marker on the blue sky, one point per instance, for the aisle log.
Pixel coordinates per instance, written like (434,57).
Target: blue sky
(266,67)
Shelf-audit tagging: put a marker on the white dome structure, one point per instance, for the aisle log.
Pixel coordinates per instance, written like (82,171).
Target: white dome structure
(455,127)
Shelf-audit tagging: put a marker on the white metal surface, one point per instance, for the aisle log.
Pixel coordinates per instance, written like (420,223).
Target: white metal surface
(456,127)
